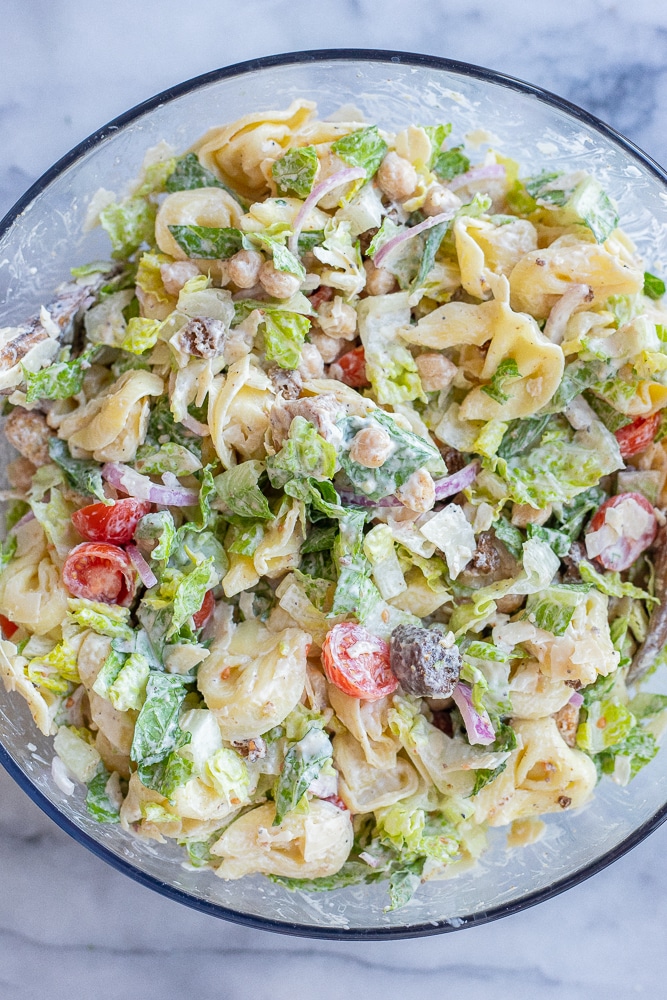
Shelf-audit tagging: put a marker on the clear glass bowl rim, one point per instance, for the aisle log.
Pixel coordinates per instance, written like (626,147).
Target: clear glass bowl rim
(249,66)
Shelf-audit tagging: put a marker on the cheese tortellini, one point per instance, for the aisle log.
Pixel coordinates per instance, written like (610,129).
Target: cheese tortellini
(304,845)
(252,683)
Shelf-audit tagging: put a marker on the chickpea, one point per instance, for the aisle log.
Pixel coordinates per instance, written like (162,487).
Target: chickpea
(371,447)
(435,371)
(440,199)
(523,515)
(338,319)
(418,493)
(329,347)
(396,178)
(278,284)
(244,267)
(28,432)
(20,473)
(175,275)
(311,365)
(379,281)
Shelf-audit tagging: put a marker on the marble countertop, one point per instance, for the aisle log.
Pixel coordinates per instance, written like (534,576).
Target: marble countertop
(69,923)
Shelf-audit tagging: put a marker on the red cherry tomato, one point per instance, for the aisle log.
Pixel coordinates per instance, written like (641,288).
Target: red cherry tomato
(357,662)
(323,294)
(638,435)
(117,523)
(353,367)
(628,540)
(201,617)
(8,628)
(100,572)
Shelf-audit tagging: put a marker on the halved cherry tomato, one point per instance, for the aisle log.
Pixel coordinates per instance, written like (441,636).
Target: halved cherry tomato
(323,294)
(100,572)
(115,523)
(207,608)
(638,435)
(357,662)
(8,628)
(616,541)
(353,367)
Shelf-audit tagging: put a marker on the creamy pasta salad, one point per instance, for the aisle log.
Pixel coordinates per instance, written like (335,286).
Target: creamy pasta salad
(336,535)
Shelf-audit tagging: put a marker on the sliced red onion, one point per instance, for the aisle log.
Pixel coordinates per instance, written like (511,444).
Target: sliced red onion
(451,485)
(318,192)
(478,726)
(356,500)
(408,234)
(577,699)
(28,516)
(136,485)
(146,574)
(491,171)
(575,296)
(195,426)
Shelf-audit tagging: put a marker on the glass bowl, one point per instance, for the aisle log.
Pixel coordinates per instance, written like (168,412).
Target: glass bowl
(42,237)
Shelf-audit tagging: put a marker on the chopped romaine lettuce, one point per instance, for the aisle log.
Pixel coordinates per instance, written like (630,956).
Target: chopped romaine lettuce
(390,366)
(552,609)
(99,803)
(128,225)
(295,171)
(60,380)
(304,454)
(303,763)
(157,733)
(238,490)
(364,148)
(450,163)
(654,287)
(284,335)
(411,452)
(507,371)
(208,242)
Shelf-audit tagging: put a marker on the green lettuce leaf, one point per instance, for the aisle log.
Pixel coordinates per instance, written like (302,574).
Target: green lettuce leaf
(83,475)
(411,452)
(208,242)
(507,371)
(157,733)
(450,163)
(295,171)
(610,583)
(98,803)
(552,609)
(654,287)
(284,335)
(60,380)
(304,454)
(238,490)
(303,763)
(189,174)
(364,148)
(128,225)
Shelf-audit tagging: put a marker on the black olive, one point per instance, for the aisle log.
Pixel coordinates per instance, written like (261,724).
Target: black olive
(422,663)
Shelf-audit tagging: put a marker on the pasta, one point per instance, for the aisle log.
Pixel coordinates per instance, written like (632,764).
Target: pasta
(336,536)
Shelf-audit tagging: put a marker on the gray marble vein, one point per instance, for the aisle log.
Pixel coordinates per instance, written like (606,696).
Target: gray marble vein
(69,925)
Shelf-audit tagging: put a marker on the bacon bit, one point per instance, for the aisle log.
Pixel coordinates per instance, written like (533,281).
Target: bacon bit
(564,801)
(8,628)
(335,800)
(601,723)
(224,673)
(323,294)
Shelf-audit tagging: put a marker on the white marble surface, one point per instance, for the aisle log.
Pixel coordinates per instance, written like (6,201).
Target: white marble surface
(69,925)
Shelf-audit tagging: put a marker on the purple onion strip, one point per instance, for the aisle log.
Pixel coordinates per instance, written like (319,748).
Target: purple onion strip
(318,192)
(146,574)
(490,171)
(478,725)
(136,485)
